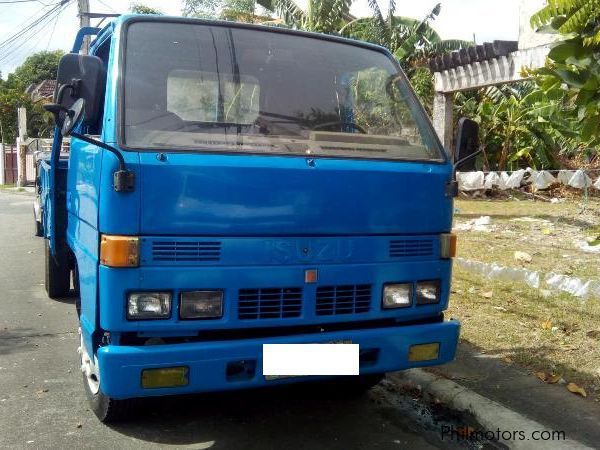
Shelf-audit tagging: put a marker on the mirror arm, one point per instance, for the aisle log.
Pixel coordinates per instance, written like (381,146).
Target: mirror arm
(466,158)
(124,180)
(452,186)
(101,144)
(55,109)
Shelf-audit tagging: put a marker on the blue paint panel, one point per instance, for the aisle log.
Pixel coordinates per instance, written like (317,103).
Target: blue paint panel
(121,366)
(115,283)
(227,251)
(83,182)
(119,211)
(267,195)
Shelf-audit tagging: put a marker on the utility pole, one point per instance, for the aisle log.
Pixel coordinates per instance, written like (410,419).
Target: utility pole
(83,7)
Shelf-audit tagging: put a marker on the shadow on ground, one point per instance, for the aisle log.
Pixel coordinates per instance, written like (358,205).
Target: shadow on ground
(296,416)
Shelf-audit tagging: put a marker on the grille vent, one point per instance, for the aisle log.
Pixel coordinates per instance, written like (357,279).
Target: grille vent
(181,251)
(411,247)
(269,303)
(353,299)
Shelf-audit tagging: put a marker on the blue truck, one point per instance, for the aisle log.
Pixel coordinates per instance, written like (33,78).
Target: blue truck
(230,186)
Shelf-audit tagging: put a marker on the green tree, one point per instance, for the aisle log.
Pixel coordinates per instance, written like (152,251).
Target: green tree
(235,10)
(36,68)
(574,59)
(321,16)
(139,8)
(411,41)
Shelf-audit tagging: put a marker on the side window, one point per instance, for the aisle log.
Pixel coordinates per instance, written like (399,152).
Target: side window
(198,96)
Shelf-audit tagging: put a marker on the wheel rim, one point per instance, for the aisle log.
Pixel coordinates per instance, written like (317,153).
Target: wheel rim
(88,368)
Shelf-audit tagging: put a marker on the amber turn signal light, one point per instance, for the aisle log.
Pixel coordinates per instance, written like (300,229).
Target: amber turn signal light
(119,251)
(447,245)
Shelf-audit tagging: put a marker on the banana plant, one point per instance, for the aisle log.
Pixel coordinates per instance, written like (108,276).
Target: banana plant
(574,60)
(321,16)
(411,41)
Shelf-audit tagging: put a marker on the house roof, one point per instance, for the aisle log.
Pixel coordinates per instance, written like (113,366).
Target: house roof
(45,89)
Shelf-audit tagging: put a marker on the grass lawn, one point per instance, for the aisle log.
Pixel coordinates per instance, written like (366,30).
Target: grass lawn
(556,334)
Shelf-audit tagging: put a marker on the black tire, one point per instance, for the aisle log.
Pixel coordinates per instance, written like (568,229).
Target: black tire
(57,278)
(39,230)
(107,409)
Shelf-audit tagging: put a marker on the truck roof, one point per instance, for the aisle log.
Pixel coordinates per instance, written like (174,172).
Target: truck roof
(125,19)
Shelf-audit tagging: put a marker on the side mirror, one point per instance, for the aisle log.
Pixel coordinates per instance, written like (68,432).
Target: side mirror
(69,118)
(467,144)
(74,115)
(80,76)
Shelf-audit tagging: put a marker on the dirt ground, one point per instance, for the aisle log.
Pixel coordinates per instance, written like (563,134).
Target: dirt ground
(552,333)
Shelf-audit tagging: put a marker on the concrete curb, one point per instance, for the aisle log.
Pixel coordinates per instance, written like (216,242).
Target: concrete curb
(491,415)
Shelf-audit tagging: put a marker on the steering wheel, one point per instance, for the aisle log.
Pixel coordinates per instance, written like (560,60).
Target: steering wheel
(341,123)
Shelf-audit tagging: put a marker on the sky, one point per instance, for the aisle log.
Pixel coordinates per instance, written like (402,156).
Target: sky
(487,20)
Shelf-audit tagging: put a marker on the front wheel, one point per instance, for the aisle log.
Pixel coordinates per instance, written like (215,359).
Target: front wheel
(107,409)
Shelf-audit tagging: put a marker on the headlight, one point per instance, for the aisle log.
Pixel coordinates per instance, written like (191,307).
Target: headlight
(428,292)
(397,296)
(149,305)
(201,305)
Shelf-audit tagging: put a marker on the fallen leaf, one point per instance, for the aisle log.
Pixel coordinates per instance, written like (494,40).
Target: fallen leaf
(572,387)
(541,376)
(546,325)
(553,379)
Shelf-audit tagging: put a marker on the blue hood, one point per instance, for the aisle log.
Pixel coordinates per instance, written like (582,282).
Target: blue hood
(239,195)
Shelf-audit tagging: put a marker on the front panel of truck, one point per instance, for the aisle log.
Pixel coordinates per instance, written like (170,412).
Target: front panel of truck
(288,189)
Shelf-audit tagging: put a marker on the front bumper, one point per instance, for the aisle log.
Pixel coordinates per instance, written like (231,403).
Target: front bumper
(121,366)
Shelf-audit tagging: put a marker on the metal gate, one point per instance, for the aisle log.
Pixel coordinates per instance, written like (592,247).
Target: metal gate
(10,164)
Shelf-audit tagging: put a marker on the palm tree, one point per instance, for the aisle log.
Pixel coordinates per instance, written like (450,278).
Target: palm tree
(411,41)
(321,16)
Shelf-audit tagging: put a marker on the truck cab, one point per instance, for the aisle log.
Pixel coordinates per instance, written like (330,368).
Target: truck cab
(230,186)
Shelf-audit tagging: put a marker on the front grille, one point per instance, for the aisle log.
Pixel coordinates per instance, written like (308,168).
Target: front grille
(411,247)
(351,299)
(269,303)
(186,251)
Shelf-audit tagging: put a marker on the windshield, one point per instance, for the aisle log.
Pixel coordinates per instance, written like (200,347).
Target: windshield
(218,88)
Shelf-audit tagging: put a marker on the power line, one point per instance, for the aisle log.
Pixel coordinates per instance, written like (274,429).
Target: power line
(11,48)
(32,25)
(108,6)
(20,1)
(54,28)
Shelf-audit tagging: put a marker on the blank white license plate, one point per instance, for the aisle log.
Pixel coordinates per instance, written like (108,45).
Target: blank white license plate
(289,360)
